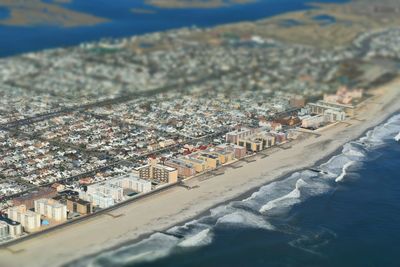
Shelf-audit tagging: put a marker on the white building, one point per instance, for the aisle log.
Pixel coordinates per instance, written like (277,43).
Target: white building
(107,194)
(51,209)
(134,183)
(4,229)
(14,229)
(98,199)
(334,115)
(29,220)
(312,121)
(108,189)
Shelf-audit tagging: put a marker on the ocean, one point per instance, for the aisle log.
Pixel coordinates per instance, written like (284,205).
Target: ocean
(123,22)
(346,215)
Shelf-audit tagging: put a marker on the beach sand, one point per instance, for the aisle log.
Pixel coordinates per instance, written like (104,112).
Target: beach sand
(173,206)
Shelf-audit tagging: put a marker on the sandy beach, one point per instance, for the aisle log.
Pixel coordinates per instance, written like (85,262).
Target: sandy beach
(178,204)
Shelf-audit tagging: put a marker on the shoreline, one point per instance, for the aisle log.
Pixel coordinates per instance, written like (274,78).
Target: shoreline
(240,197)
(178,205)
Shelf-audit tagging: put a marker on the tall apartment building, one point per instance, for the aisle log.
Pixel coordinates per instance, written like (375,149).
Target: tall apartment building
(3,229)
(108,193)
(184,169)
(108,189)
(234,136)
(29,220)
(199,165)
(14,228)
(98,199)
(158,173)
(29,199)
(134,183)
(52,209)
(257,142)
(341,110)
(238,151)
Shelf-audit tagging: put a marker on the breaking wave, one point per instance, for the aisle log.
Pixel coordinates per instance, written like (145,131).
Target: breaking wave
(261,208)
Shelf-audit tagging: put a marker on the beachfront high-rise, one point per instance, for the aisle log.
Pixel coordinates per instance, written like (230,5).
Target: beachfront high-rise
(106,194)
(3,229)
(29,220)
(52,209)
(157,172)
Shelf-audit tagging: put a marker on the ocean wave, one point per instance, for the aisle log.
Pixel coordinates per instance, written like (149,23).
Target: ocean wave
(200,239)
(244,219)
(344,171)
(157,246)
(286,200)
(397,137)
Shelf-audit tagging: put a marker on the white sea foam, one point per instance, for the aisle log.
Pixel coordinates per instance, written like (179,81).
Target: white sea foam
(397,137)
(287,200)
(155,247)
(344,171)
(200,239)
(246,219)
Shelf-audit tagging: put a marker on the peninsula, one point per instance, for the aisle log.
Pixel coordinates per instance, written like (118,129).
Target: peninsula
(110,141)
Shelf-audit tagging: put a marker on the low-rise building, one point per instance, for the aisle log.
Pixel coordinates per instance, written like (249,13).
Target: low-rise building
(312,122)
(77,205)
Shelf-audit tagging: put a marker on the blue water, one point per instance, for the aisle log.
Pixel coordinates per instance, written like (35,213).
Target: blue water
(4,13)
(123,22)
(347,216)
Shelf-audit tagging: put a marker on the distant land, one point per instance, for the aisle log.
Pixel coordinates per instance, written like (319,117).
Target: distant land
(54,12)
(195,3)
(37,12)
